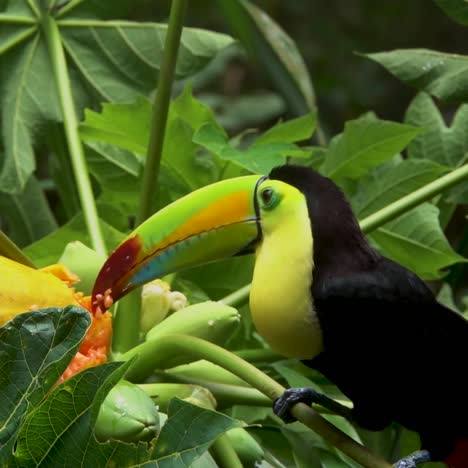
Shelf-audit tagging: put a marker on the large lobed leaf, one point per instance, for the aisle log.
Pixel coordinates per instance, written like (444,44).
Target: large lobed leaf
(183,170)
(35,349)
(56,428)
(417,241)
(443,75)
(27,214)
(269,150)
(27,103)
(439,143)
(116,60)
(120,59)
(365,143)
(387,184)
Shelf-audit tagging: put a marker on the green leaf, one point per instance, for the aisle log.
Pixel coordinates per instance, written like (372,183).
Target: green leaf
(416,240)
(275,52)
(116,60)
(310,450)
(445,296)
(183,170)
(365,143)
(26,104)
(116,171)
(12,35)
(20,9)
(383,187)
(456,9)
(180,154)
(49,249)
(124,125)
(258,158)
(291,131)
(36,348)
(27,214)
(188,433)
(60,431)
(441,144)
(443,75)
(120,59)
(459,194)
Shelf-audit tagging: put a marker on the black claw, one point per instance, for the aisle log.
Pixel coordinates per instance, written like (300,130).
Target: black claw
(413,460)
(283,404)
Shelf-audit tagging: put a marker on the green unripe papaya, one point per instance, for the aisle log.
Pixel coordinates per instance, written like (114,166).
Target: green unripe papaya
(247,448)
(84,262)
(206,371)
(127,414)
(211,321)
(163,393)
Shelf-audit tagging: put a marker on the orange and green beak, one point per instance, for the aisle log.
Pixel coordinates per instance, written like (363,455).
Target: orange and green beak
(212,223)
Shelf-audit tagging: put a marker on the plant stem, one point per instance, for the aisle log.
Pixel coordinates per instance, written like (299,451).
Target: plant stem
(126,323)
(237,298)
(152,354)
(10,250)
(413,199)
(224,453)
(17,19)
(70,122)
(69,6)
(386,214)
(34,8)
(258,355)
(226,395)
(161,109)
(17,39)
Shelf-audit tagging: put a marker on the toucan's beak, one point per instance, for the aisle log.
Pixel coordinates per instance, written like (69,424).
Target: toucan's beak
(212,223)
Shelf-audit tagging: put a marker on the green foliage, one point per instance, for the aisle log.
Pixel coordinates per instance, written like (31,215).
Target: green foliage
(269,150)
(445,76)
(391,182)
(416,240)
(25,378)
(274,50)
(439,143)
(55,425)
(365,143)
(49,249)
(114,63)
(27,214)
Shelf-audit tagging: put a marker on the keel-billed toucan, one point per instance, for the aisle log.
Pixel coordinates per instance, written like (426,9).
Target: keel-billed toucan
(319,293)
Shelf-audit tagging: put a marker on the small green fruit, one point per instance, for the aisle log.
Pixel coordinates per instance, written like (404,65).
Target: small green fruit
(84,262)
(211,321)
(127,414)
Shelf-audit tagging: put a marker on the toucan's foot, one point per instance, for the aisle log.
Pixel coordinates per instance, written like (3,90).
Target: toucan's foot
(307,395)
(411,461)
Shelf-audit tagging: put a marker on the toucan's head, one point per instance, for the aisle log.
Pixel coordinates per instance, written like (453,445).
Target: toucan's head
(221,220)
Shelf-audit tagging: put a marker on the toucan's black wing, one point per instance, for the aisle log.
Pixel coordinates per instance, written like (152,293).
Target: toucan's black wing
(392,348)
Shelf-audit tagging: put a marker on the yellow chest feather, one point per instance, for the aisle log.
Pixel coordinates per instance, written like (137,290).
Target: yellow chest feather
(280,299)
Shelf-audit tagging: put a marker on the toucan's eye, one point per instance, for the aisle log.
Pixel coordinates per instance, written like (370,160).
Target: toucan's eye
(270,198)
(267,195)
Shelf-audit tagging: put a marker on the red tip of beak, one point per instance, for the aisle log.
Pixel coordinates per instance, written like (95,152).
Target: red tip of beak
(106,288)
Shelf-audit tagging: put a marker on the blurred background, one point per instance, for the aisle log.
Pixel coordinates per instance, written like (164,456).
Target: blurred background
(329,35)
